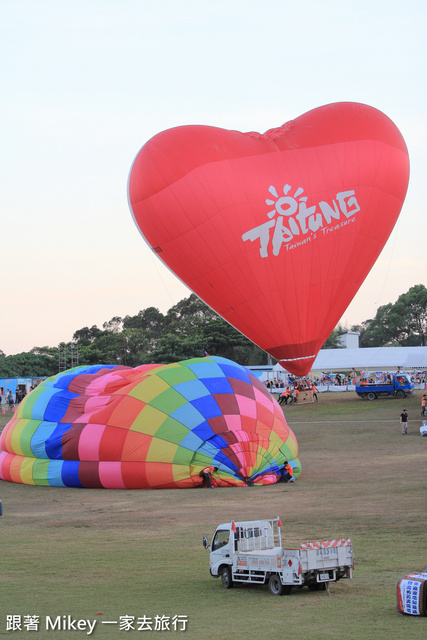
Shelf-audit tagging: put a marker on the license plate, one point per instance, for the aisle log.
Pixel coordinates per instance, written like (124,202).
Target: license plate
(323,576)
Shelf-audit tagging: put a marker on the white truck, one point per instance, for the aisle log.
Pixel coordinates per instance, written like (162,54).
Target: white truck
(252,552)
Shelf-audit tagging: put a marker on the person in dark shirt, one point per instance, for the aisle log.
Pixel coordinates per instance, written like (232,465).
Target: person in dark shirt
(404,422)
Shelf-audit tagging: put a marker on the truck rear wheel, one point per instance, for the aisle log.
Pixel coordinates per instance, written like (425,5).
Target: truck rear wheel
(226,579)
(275,585)
(371,395)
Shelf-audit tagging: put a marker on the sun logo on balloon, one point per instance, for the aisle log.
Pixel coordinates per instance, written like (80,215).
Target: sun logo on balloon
(286,205)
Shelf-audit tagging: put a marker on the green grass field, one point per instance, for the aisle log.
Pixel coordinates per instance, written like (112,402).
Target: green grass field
(100,555)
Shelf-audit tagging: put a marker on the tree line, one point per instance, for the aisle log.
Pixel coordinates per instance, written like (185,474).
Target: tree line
(190,328)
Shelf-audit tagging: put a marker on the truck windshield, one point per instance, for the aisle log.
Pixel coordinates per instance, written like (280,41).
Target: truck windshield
(222,537)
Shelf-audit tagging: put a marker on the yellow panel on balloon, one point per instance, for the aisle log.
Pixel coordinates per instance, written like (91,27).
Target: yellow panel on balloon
(16,436)
(276,439)
(27,470)
(161,451)
(290,442)
(149,388)
(180,472)
(148,420)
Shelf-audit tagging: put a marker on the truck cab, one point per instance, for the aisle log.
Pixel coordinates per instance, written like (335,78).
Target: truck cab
(232,538)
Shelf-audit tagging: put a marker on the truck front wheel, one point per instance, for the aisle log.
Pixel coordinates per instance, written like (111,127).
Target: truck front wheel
(400,394)
(275,585)
(226,579)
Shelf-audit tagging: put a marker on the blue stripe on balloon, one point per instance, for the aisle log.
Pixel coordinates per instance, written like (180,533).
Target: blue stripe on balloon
(39,437)
(191,389)
(218,441)
(54,442)
(239,373)
(204,431)
(218,385)
(192,441)
(39,408)
(223,461)
(206,369)
(54,473)
(58,405)
(70,474)
(207,406)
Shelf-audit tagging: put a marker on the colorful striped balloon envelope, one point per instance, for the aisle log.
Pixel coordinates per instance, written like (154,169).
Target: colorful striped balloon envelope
(148,427)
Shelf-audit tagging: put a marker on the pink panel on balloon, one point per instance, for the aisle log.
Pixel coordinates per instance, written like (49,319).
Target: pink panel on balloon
(110,474)
(234,422)
(262,399)
(247,406)
(94,404)
(89,441)
(98,384)
(3,455)
(239,454)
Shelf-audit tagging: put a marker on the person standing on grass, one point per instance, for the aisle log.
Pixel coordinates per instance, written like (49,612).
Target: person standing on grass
(10,401)
(404,422)
(423,405)
(285,396)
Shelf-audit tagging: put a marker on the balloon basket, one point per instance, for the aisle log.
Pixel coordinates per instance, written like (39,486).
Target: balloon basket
(411,594)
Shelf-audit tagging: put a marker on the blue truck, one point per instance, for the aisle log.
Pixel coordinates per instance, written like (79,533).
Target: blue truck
(400,386)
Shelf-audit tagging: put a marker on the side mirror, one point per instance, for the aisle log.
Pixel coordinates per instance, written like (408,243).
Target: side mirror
(205,542)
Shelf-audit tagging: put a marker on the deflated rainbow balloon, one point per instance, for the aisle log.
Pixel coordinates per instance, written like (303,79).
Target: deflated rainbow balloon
(153,426)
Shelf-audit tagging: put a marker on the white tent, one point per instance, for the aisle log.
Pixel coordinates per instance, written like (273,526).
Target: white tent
(390,359)
(372,359)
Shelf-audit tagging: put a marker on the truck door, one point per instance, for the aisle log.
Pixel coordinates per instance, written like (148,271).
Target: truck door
(220,548)
(402,385)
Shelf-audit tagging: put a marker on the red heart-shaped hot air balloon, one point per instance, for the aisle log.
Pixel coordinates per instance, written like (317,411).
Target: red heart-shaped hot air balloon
(276,231)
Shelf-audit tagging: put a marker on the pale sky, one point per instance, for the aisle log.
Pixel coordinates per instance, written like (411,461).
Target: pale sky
(85,84)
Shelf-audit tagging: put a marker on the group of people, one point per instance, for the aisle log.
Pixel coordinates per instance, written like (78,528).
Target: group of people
(291,395)
(9,400)
(286,475)
(404,420)
(292,381)
(339,379)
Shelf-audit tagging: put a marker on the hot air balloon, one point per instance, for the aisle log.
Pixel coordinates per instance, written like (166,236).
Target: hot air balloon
(276,231)
(153,426)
